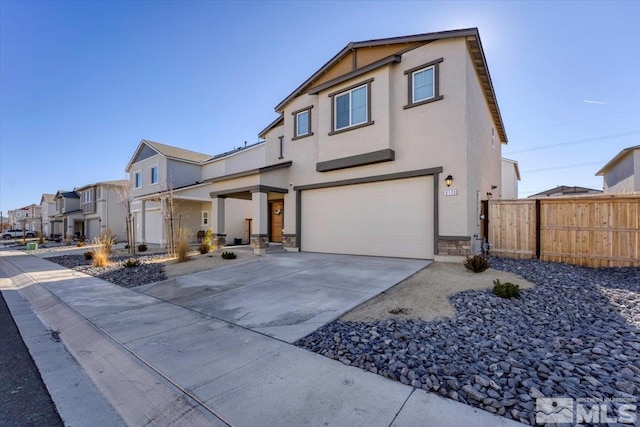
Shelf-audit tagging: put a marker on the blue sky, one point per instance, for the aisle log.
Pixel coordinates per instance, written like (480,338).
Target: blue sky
(82,82)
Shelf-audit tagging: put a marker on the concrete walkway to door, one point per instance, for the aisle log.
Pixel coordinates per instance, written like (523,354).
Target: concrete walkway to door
(286,296)
(158,363)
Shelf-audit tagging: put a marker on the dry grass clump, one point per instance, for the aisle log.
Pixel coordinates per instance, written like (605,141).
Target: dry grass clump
(182,248)
(101,254)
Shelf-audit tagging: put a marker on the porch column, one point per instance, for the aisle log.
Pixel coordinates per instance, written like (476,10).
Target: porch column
(219,236)
(143,222)
(260,235)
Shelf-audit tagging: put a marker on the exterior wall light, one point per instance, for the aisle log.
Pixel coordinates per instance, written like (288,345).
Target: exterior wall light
(448,180)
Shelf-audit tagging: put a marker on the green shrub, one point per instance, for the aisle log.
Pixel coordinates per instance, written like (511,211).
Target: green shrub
(88,255)
(229,255)
(132,262)
(476,263)
(142,247)
(203,248)
(506,290)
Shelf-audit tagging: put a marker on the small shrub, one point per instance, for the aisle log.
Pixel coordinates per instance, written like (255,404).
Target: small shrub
(182,248)
(100,258)
(229,255)
(132,262)
(207,238)
(203,248)
(476,263)
(88,255)
(80,244)
(506,290)
(142,247)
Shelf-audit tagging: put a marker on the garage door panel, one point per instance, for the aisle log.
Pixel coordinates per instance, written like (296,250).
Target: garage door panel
(390,218)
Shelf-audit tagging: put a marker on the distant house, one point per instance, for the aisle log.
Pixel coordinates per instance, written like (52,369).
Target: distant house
(25,218)
(565,190)
(622,173)
(68,219)
(47,210)
(510,178)
(101,209)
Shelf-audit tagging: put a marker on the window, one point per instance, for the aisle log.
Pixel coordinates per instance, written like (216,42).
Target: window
(351,107)
(423,84)
(98,192)
(137,179)
(302,123)
(493,137)
(154,174)
(205,217)
(86,196)
(281,138)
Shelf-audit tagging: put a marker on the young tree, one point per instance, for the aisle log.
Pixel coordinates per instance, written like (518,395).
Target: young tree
(168,206)
(125,199)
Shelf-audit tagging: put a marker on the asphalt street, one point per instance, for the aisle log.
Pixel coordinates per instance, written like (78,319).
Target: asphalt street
(24,398)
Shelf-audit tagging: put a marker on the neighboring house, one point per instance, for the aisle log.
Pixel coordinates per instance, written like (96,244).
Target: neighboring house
(101,209)
(622,173)
(47,209)
(510,178)
(161,175)
(565,190)
(388,149)
(25,218)
(68,219)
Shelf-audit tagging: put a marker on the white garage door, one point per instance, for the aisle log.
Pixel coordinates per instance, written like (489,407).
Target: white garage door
(388,218)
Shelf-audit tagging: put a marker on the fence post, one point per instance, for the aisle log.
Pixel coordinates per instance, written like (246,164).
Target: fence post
(538,229)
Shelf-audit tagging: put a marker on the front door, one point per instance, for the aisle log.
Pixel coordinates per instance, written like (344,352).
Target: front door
(277,215)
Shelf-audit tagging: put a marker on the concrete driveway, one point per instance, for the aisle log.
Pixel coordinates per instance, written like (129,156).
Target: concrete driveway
(286,296)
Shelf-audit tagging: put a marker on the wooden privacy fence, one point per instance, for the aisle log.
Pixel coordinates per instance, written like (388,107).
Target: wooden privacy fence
(601,231)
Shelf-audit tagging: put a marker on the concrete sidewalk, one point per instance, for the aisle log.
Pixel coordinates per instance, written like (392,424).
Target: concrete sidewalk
(170,365)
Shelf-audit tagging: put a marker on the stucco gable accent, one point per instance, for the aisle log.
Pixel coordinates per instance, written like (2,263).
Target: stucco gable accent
(371,158)
(393,59)
(274,124)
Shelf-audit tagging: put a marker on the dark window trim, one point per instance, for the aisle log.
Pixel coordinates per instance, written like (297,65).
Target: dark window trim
(436,83)
(295,123)
(281,139)
(332,95)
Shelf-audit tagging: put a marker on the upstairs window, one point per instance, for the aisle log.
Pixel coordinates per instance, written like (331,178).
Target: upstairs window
(137,179)
(86,196)
(204,217)
(352,107)
(154,174)
(423,82)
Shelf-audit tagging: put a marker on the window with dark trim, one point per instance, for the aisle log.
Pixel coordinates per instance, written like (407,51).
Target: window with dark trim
(137,179)
(154,175)
(302,123)
(351,107)
(423,84)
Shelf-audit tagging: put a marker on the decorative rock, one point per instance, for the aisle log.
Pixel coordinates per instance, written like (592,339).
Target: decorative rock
(473,393)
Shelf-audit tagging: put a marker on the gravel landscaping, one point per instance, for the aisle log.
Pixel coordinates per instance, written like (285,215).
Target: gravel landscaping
(116,272)
(575,334)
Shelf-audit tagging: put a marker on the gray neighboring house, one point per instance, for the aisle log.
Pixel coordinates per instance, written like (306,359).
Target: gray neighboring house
(47,210)
(101,209)
(622,173)
(565,190)
(68,219)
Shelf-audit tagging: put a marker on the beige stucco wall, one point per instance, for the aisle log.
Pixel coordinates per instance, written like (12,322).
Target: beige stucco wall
(624,176)
(509,180)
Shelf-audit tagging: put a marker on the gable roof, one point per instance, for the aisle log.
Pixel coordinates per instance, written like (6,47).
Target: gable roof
(114,183)
(606,168)
(398,46)
(277,122)
(67,194)
(515,165)
(170,152)
(46,197)
(565,190)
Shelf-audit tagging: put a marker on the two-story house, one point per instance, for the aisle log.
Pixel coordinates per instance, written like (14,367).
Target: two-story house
(68,220)
(102,210)
(25,218)
(388,149)
(170,187)
(47,210)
